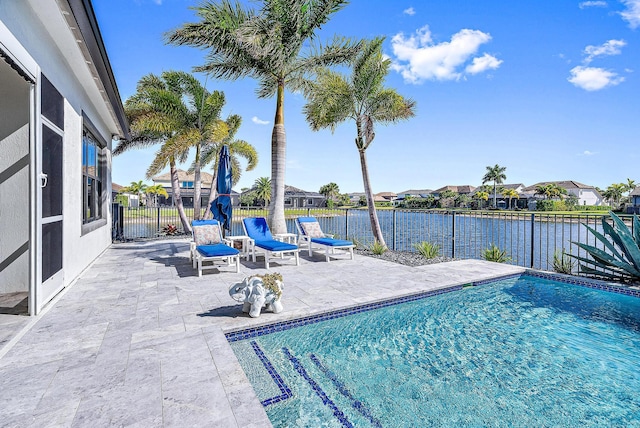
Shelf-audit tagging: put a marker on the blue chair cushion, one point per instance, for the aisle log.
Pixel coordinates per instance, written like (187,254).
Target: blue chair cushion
(216,250)
(332,242)
(257,229)
(273,245)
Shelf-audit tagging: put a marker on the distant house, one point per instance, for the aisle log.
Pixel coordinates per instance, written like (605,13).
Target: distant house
(412,193)
(503,202)
(354,197)
(461,190)
(60,111)
(186,181)
(298,198)
(635,201)
(587,195)
(384,197)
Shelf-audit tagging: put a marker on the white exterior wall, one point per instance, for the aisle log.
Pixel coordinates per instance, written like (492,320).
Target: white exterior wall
(586,196)
(61,61)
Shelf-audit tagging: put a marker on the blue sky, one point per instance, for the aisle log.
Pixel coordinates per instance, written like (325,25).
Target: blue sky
(547,88)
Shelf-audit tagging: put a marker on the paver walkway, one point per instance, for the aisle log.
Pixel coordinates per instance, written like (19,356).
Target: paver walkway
(138,340)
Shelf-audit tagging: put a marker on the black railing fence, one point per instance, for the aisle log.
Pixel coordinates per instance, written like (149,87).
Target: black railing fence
(529,239)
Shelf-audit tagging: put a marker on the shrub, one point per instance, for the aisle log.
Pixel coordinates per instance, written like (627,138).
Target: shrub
(377,248)
(495,254)
(621,260)
(562,262)
(428,249)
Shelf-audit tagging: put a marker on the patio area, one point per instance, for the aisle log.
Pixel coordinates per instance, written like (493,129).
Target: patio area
(138,339)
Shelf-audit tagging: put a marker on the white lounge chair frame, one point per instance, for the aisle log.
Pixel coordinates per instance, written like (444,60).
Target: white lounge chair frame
(329,250)
(268,255)
(198,259)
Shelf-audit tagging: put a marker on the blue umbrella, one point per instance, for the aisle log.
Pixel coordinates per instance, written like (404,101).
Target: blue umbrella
(221,206)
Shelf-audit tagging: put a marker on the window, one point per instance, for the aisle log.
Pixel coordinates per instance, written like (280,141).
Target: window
(187,184)
(93,166)
(287,201)
(310,201)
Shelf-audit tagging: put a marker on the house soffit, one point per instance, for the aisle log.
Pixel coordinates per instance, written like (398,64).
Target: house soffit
(82,49)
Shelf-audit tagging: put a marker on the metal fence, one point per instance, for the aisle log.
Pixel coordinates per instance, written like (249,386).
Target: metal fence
(529,239)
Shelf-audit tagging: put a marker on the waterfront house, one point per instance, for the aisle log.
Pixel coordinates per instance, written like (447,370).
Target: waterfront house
(60,111)
(384,197)
(413,193)
(298,198)
(587,195)
(461,190)
(186,181)
(634,207)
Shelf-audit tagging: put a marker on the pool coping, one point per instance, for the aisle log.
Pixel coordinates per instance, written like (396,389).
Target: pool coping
(243,333)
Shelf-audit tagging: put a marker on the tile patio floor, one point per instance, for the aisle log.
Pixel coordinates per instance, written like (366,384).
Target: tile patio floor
(138,340)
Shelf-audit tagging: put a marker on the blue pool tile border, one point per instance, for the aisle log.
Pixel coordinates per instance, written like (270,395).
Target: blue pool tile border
(252,332)
(285,391)
(342,389)
(585,282)
(317,389)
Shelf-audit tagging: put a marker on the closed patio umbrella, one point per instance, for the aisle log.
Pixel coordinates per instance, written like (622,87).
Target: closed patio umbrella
(221,205)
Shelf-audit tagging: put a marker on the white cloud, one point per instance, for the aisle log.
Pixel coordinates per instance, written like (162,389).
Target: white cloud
(611,47)
(410,11)
(588,153)
(586,4)
(593,78)
(418,58)
(483,63)
(632,13)
(257,121)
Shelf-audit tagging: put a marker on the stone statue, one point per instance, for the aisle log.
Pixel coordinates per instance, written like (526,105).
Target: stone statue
(258,291)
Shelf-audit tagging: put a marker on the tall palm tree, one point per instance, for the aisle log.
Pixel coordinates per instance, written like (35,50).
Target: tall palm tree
(330,191)
(630,185)
(237,149)
(262,188)
(156,190)
(544,189)
(333,98)
(138,188)
(497,176)
(614,193)
(481,196)
(510,194)
(266,45)
(158,115)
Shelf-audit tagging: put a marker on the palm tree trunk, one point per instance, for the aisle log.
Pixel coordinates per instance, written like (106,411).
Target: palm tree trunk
(177,199)
(278,164)
(197,185)
(373,215)
(212,193)
(495,195)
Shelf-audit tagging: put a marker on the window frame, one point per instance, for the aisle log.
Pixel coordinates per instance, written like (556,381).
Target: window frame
(94,211)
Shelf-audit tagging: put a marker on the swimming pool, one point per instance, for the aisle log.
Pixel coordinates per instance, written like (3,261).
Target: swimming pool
(521,351)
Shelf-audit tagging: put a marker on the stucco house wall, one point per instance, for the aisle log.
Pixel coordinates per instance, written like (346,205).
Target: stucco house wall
(55,45)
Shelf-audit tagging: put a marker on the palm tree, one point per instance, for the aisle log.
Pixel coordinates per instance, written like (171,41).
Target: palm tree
(262,188)
(156,190)
(330,192)
(481,196)
(157,114)
(630,185)
(510,194)
(614,193)
(266,45)
(544,190)
(333,98)
(137,188)
(497,176)
(237,149)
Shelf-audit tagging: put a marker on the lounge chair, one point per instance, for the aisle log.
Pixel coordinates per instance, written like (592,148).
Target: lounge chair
(261,241)
(209,246)
(310,235)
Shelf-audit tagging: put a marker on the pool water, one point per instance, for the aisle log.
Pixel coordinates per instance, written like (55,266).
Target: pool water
(523,351)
